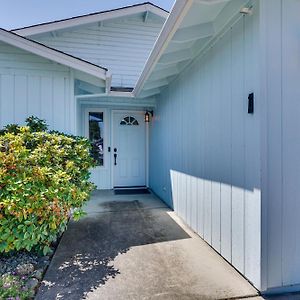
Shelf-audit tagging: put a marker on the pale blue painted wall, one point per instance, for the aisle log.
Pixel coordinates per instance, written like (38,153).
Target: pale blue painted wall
(205,147)
(281,143)
(121,45)
(31,85)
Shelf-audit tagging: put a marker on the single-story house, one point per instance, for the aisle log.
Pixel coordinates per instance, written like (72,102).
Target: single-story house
(201,105)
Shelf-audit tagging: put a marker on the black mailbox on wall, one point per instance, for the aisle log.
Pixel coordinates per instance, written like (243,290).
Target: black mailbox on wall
(251,103)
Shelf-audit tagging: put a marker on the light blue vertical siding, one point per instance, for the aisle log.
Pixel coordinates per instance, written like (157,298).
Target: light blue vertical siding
(280,127)
(30,85)
(121,45)
(205,147)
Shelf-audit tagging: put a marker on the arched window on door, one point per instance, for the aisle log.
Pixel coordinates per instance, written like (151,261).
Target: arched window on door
(129,121)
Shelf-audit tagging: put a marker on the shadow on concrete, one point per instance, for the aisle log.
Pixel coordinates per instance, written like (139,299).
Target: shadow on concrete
(85,256)
(286,296)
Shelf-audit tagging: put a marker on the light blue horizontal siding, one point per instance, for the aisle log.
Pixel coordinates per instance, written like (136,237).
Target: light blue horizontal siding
(122,45)
(30,85)
(205,147)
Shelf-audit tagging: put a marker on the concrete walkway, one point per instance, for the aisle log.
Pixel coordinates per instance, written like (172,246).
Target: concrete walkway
(134,247)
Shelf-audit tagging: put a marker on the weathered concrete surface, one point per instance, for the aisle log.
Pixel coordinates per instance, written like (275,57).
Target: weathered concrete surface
(134,247)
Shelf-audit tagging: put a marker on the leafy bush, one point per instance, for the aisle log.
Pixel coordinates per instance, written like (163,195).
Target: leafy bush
(43,176)
(35,124)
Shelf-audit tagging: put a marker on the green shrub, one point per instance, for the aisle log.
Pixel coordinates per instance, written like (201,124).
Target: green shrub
(43,176)
(35,124)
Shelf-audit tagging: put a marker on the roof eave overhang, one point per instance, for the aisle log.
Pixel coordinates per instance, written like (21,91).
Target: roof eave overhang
(163,65)
(92,18)
(174,20)
(53,55)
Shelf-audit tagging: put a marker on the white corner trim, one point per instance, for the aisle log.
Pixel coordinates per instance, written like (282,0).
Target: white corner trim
(51,54)
(108,82)
(91,18)
(174,20)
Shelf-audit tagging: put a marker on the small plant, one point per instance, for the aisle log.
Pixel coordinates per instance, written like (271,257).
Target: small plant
(43,177)
(13,287)
(35,124)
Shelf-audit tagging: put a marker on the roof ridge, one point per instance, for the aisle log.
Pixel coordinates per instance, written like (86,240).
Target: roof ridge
(90,14)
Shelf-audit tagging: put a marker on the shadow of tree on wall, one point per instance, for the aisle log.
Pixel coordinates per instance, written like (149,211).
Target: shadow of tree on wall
(88,248)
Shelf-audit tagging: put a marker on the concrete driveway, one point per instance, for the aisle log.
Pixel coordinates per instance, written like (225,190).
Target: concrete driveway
(134,247)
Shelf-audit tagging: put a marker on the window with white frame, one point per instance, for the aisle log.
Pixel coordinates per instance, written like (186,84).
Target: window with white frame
(96,136)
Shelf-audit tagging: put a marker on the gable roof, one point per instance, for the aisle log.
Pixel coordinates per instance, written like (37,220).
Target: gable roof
(190,29)
(53,54)
(91,18)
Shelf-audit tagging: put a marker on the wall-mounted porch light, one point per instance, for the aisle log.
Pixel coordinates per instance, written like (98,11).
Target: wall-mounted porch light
(147,116)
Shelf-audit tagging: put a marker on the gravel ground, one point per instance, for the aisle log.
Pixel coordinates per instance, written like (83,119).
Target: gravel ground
(28,267)
(10,262)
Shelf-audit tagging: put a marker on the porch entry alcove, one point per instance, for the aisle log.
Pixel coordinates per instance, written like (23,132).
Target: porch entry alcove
(119,146)
(222,148)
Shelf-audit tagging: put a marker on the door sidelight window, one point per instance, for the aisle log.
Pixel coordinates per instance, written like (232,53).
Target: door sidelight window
(96,136)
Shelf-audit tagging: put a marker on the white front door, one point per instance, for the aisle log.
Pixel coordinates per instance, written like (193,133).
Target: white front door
(129,149)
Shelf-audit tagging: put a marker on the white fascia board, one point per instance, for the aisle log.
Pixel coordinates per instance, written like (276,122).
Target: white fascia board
(111,94)
(210,2)
(52,54)
(87,19)
(179,10)
(157,11)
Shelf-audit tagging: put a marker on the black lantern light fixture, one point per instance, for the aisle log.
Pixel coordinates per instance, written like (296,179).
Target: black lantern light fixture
(148,115)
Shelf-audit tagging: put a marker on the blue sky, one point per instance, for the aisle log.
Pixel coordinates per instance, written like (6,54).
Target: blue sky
(19,13)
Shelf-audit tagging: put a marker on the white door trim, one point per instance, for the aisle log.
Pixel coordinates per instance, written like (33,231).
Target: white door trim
(106,135)
(112,139)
